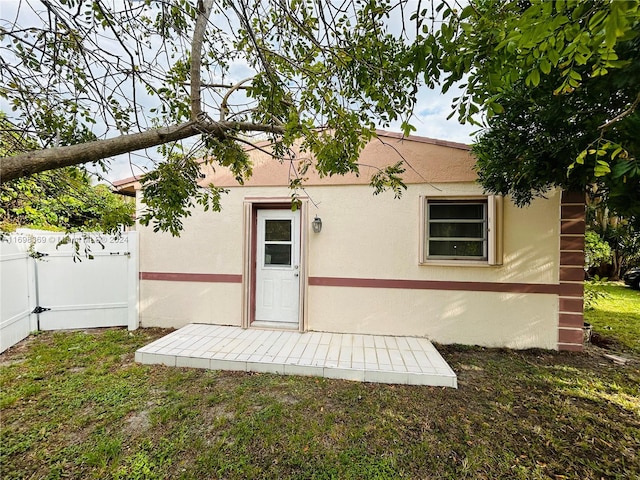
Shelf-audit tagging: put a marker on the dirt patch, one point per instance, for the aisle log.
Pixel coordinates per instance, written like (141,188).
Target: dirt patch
(19,348)
(288,399)
(604,342)
(605,354)
(7,362)
(137,423)
(215,412)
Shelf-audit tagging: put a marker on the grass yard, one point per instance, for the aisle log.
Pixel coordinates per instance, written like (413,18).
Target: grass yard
(616,320)
(75,405)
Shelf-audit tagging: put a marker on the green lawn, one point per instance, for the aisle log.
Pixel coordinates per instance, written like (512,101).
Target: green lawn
(616,318)
(75,405)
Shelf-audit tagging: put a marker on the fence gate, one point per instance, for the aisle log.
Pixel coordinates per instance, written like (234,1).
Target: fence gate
(17,289)
(89,281)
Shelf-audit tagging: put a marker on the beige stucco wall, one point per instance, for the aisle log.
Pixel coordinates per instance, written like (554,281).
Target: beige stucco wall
(474,318)
(374,237)
(176,304)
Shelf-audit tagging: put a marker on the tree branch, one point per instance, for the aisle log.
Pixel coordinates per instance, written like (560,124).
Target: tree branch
(40,160)
(617,118)
(204,10)
(224,108)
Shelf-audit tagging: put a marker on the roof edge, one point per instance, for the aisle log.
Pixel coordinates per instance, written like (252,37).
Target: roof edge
(420,139)
(125,181)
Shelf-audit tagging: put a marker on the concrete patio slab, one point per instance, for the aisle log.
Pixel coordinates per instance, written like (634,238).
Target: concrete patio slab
(368,358)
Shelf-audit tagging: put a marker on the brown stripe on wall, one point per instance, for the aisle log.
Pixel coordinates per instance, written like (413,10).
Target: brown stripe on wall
(369,283)
(191,277)
(435,285)
(571,273)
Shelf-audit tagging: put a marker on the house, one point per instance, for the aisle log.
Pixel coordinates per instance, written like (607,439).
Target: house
(445,261)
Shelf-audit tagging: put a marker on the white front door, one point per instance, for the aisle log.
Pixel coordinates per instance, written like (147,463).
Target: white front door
(278,267)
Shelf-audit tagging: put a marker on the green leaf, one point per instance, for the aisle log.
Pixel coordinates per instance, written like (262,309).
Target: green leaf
(574,75)
(407,128)
(553,56)
(616,152)
(622,168)
(601,168)
(533,78)
(545,66)
(467,12)
(611,28)
(496,108)
(596,20)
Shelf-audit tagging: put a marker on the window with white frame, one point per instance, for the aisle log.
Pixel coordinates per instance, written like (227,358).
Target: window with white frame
(461,229)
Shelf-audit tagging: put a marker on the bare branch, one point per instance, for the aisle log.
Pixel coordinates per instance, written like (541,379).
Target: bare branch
(224,108)
(621,116)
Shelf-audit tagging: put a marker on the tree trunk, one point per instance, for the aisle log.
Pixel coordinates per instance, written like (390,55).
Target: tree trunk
(204,10)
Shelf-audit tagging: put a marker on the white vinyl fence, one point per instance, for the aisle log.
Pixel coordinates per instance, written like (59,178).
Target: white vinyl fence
(89,281)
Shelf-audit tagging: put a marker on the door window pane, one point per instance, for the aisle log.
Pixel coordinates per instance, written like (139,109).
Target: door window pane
(277,230)
(277,254)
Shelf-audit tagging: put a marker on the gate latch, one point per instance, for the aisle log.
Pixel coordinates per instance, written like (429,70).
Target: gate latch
(40,309)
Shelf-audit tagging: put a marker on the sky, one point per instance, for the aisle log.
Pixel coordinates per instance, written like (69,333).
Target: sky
(430,118)
(431,114)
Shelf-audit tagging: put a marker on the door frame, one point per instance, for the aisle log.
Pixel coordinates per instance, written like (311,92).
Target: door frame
(250,231)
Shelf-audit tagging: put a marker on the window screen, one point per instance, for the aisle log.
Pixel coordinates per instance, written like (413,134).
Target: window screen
(456,229)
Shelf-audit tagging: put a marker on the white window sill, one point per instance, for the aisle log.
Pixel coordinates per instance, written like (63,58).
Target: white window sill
(456,263)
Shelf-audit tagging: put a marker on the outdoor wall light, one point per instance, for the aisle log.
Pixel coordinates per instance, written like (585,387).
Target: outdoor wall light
(317,224)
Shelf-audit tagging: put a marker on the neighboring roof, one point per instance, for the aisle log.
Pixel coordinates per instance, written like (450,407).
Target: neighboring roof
(427,160)
(126,186)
